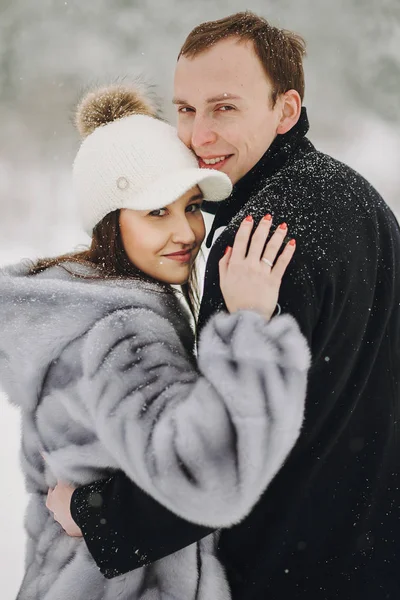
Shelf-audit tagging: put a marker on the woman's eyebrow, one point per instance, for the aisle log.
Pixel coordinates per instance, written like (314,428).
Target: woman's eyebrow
(196,197)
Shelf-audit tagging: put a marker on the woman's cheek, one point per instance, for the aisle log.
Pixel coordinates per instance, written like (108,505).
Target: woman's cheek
(199,227)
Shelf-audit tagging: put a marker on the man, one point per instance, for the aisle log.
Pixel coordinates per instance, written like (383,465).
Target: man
(328,526)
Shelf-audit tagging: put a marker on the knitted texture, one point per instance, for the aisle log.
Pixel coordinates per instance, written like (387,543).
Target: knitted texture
(138,162)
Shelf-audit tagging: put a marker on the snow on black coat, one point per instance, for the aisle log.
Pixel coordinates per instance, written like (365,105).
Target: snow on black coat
(105,378)
(328,526)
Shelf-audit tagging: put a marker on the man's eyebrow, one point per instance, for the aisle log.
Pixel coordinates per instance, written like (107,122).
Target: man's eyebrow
(222,97)
(178,101)
(218,98)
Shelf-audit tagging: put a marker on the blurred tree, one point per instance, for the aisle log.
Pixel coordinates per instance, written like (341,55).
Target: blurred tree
(50,50)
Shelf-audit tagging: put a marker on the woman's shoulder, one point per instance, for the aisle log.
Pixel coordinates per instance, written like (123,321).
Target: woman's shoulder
(42,314)
(83,289)
(146,301)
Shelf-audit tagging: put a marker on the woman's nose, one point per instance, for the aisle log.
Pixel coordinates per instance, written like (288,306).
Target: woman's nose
(183,232)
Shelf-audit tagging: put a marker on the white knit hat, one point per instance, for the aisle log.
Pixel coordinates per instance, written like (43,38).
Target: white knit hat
(138,162)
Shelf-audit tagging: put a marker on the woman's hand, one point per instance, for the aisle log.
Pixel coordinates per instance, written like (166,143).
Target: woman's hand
(250,280)
(58,502)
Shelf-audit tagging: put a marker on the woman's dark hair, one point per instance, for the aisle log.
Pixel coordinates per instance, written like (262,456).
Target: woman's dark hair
(107,253)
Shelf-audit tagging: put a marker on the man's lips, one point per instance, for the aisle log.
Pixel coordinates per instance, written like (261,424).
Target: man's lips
(217,165)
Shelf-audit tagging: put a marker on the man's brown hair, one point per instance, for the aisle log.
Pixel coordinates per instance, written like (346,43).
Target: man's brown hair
(280,51)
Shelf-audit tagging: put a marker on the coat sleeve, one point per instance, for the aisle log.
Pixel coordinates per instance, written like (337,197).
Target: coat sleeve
(126,529)
(204,444)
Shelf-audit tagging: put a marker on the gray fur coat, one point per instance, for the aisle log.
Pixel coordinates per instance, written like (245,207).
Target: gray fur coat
(104,374)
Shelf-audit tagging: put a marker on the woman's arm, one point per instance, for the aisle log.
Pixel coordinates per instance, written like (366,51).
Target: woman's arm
(116,513)
(203,445)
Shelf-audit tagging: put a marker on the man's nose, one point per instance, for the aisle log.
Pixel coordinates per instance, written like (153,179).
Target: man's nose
(183,232)
(202,132)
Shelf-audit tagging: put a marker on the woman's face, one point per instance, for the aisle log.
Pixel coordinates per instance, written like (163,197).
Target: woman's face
(164,243)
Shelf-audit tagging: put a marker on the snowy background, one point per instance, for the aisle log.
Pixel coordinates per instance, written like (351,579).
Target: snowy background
(50,51)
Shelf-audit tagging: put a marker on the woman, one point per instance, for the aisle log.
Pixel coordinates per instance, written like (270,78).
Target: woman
(98,352)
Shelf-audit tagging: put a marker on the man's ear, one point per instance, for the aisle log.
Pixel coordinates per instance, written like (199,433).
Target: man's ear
(290,109)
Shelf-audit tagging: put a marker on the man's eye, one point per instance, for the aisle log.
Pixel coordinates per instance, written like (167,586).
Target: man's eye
(225,108)
(194,207)
(160,212)
(185,109)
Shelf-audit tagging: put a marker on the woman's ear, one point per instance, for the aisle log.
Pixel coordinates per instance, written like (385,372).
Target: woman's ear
(291,108)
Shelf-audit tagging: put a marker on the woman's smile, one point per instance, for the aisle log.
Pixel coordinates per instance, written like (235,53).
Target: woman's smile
(183,256)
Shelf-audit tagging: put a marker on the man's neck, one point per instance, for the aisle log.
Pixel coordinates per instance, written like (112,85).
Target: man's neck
(272,161)
(276,155)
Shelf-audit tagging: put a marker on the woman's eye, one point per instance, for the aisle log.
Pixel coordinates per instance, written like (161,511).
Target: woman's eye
(225,108)
(160,212)
(185,109)
(194,207)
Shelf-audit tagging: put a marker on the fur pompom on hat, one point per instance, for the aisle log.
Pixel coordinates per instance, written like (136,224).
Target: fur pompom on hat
(108,104)
(131,159)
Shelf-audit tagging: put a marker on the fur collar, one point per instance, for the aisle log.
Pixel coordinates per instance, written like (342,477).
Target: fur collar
(41,314)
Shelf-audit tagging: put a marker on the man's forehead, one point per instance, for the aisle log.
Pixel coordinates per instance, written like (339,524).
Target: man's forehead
(215,76)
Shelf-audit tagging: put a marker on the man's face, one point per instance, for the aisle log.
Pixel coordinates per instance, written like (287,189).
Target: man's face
(223,101)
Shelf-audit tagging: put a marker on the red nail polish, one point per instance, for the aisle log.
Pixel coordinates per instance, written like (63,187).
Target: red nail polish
(249,218)
(227,250)
(292,242)
(283,226)
(268,217)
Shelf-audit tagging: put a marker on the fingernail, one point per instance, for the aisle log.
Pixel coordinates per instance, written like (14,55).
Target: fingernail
(227,250)
(268,217)
(283,226)
(292,242)
(249,218)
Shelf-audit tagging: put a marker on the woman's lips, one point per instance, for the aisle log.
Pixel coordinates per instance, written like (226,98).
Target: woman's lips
(183,257)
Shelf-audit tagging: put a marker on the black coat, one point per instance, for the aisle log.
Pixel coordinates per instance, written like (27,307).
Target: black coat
(328,526)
